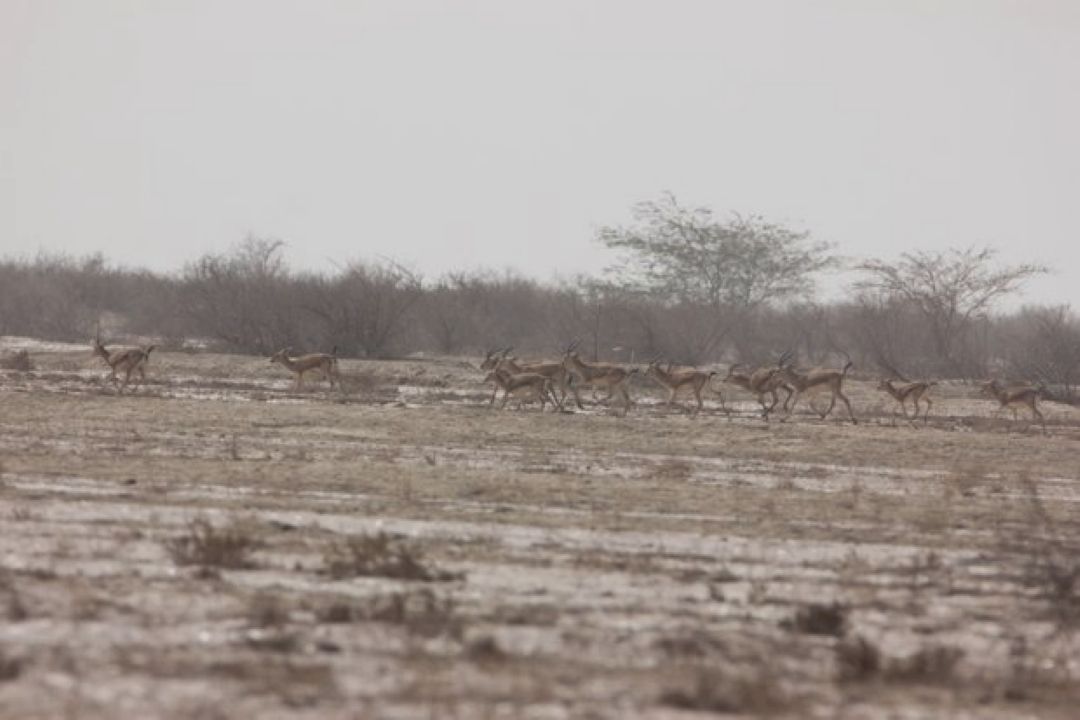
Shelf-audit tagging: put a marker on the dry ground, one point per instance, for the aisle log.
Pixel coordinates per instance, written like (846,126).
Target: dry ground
(215,545)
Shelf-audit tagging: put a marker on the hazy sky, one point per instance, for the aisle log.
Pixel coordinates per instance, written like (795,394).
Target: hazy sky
(455,134)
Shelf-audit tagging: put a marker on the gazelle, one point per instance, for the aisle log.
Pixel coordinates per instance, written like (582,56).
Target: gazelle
(817,380)
(1013,398)
(605,375)
(492,358)
(132,360)
(762,381)
(324,363)
(915,391)
(674,380)
(524,386)
(554,371)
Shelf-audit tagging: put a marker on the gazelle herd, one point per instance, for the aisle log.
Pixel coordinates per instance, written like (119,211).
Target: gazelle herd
(764,383)
(553,381)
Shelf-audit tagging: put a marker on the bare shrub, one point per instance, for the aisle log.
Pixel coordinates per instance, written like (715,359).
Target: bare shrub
(226,547)
(267,610)
(10,667)
(714,690)
(672,469)
(485,649)
(421,612)
(857,660)
(19,360)
(1050,559)
(819,619)
(934,664)
(380,555)
(15,608)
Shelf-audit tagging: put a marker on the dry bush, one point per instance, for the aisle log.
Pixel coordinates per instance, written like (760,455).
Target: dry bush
(420,612)
(690,643)
(934,664)
(965,479)
(1049,557)
(819,619)
(15,609)
(203,544)
(362,381)
(266,610)
(19,360)
(672,469)
(485,649)
(713,690)
(380,555)
(10,667)
(22,514)
(857,660)
(274,640)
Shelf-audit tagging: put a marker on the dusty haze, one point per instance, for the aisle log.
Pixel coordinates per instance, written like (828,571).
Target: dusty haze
(452,135)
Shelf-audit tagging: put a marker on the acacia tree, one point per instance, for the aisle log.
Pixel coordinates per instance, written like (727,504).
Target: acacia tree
(684,255)
(949,290)
(1042,344)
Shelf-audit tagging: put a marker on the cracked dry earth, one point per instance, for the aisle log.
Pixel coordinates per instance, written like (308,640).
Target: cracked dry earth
(408,552)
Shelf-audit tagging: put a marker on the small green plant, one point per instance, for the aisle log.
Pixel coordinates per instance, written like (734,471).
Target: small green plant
(205,545)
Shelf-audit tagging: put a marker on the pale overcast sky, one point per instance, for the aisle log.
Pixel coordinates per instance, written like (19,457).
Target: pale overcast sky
(456,134)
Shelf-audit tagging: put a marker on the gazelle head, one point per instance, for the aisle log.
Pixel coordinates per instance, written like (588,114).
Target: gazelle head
(493,357)
(571,351)
(281,355)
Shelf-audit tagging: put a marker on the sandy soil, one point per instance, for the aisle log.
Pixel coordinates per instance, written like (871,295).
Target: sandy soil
(540,565)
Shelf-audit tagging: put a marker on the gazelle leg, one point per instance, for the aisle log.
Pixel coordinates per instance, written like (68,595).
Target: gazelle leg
(794,402)
(848,404)
(832,404)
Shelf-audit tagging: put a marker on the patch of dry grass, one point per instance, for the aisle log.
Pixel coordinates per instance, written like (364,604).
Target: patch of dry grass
(421,612)
(19,360)
(819,619)
(10,667)
(714,690)
(380,555)
(230,546)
